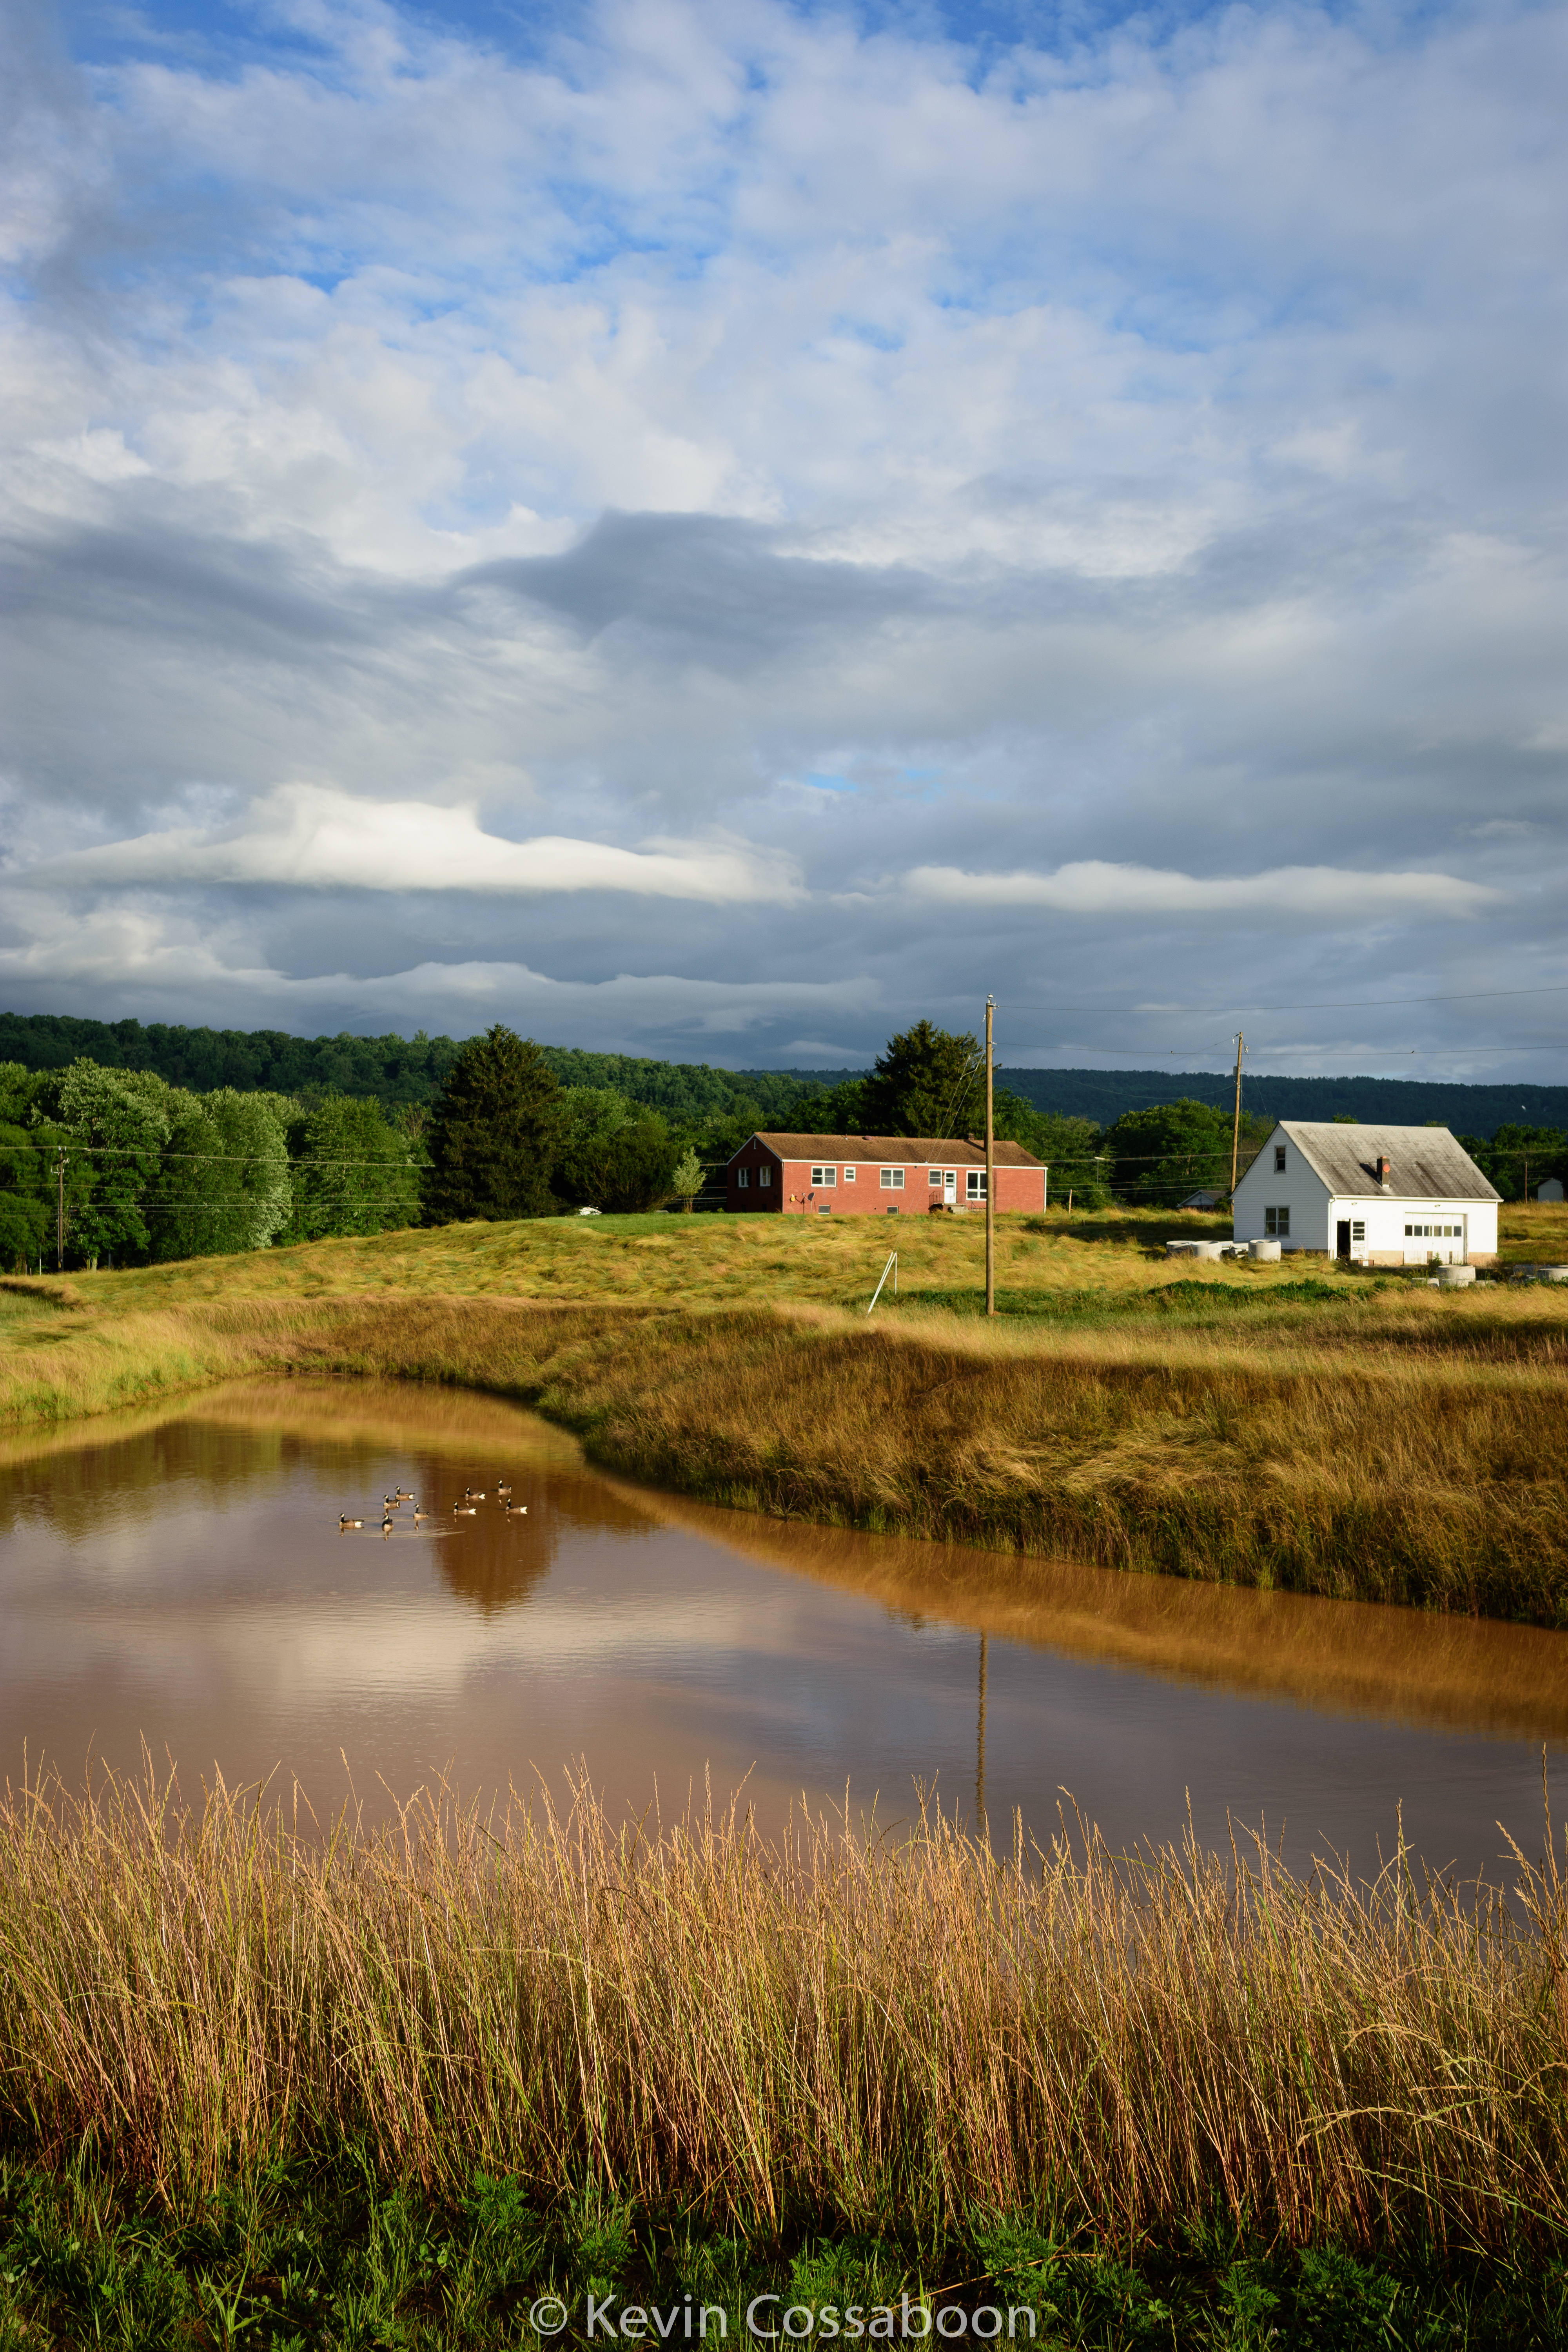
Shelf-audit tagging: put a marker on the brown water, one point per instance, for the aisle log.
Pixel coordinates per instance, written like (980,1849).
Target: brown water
(180,1580)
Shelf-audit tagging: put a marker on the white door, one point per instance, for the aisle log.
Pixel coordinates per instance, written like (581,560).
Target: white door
(949,1186)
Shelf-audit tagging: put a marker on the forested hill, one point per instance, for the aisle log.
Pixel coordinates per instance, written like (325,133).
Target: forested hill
(394,1070)
(1103,1094)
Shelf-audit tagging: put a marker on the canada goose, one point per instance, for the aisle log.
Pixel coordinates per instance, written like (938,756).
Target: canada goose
(344,1520)
(502,1487)
(404,1495)
(516,1510)
(465,1511)
(473,1494)
(419,1510)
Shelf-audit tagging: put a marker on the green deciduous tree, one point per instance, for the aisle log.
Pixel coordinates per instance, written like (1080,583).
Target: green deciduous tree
(26,1162)
(587,1117)
(1072,1149)
(115,1124)
(1161,1155)
(224,1180)
(822,1111)
(636,1170)
(929,1082)
(494,1134)
(353,1172)
(686,1180)
(1520,1157)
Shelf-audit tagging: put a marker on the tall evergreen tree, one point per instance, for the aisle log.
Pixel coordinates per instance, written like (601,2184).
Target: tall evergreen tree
(929,1082)
(494,1134)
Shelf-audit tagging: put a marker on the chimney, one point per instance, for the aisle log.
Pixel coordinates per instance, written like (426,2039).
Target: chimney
(1384,1166)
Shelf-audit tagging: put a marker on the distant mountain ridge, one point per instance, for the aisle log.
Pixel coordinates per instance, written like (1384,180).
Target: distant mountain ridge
(1104,1095)
(393,1070)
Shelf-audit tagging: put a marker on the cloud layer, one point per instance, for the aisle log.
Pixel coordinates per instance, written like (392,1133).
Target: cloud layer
(784,504)
(1328,896)
(308,836)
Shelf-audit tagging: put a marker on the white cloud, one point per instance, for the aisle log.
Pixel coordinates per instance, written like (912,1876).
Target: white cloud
(1329,894)
(1135,436)
(315,838)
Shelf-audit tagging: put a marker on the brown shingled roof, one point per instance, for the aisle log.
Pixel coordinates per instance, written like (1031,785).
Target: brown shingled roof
(906,1150)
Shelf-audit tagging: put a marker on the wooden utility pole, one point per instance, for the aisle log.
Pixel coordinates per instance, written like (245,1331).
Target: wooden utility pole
(990,1171)
(61,1212)
(1235,1131)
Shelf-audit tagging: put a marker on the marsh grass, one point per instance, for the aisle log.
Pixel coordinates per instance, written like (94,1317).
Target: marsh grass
(1328,1433)
(1385,1450)
(873,2035)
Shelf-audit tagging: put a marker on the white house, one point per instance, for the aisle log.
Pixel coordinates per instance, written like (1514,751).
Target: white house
(1380,1195)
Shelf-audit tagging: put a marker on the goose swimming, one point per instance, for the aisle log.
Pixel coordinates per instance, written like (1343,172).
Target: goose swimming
(344,1520)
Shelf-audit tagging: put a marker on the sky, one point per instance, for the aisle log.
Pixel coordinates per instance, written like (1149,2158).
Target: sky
(714,528)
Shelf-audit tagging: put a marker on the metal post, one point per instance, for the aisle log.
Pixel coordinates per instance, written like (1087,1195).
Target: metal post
(990,1171)
(1235,1131)
(891,1267)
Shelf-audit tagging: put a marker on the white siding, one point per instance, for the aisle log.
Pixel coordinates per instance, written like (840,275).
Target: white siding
(1297,1188)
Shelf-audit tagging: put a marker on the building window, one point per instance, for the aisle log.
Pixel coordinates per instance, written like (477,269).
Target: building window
(974,1185)
(825,1208)
(933,1177)
(1280,1159)
(742,1178)
(765,1176)
(892,1180)
(1277,1224)
(849,1175)
(1358,1230)
(824,1176)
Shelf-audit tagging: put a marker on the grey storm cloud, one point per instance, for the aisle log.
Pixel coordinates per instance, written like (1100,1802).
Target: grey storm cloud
(719,586)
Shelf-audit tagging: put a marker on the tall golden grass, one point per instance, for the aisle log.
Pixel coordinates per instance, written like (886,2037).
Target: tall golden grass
(836,2028)
(1412,1455)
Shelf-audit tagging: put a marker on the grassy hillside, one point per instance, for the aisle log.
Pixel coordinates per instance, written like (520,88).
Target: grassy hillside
(1328,1433)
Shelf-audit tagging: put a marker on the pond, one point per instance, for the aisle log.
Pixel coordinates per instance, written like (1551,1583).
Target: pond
(179,1583)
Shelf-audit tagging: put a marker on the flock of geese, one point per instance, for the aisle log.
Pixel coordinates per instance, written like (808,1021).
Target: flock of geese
(465,1507)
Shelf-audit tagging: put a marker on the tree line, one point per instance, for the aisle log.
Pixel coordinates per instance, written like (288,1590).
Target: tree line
(126,1169)
(131,1168)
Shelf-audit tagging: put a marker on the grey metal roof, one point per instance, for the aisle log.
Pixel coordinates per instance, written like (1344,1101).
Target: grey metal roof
(1426,1163)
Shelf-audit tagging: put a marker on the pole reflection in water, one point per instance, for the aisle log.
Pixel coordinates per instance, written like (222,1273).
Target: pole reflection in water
(979,1821)
(180,1578)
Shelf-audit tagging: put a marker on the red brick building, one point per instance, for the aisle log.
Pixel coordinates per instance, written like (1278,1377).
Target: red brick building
(878,1175)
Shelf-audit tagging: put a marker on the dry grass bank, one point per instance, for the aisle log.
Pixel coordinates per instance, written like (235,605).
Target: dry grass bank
(1336,1436)
(863,2032)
